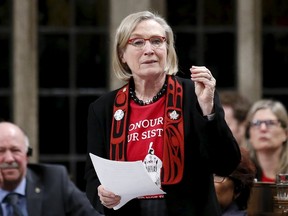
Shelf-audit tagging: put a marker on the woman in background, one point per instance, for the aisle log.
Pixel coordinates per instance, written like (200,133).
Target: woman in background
(267,138)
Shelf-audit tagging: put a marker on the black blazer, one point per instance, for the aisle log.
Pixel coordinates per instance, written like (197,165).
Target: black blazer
(209,148)
(50,192)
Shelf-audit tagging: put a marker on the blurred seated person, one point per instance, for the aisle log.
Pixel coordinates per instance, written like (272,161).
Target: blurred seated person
(42,189)
(233,192)
(236,107)
(267,138)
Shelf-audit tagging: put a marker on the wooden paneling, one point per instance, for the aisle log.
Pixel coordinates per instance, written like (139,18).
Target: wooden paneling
(263,203)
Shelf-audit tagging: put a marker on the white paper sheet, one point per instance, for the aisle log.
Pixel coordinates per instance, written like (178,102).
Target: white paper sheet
(126,179)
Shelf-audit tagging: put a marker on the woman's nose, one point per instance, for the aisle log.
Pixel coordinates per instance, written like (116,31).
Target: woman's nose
(148,48)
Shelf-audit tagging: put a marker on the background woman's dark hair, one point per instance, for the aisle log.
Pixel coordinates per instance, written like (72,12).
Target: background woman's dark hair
(243,177)
(238,102)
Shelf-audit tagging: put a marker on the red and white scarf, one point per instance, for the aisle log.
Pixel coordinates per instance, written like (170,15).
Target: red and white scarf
(173,150)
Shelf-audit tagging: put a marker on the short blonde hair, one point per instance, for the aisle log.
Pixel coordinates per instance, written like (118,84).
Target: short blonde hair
(123,34)
(279,110)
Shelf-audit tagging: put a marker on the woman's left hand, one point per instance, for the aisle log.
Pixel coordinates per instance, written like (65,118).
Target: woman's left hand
(204,87)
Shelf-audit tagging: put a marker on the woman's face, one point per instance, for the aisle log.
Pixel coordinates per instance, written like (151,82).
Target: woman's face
(265,136)
(225,192)
(148,60)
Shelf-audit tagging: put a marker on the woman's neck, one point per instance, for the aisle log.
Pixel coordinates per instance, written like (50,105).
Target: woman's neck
(144,93)
(147,89)
(269,162)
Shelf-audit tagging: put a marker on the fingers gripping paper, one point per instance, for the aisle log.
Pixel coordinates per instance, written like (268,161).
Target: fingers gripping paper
(124,178)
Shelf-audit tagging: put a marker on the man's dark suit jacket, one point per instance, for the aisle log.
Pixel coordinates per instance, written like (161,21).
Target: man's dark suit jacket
(50,192)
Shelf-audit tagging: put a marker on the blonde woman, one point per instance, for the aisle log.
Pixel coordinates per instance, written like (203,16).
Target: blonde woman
(169,123)
(267,138)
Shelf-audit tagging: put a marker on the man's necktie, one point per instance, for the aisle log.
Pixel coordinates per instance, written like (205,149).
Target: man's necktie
(12,199)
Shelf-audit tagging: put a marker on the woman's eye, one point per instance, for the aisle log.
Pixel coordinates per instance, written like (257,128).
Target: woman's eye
(156,41)
(138,42)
